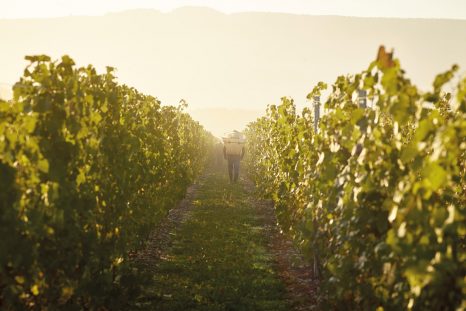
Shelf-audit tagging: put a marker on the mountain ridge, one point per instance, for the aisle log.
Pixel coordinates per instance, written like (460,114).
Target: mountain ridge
(205,9)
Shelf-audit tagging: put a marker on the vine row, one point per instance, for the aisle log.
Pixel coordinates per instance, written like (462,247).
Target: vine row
(87,167)
(375,196)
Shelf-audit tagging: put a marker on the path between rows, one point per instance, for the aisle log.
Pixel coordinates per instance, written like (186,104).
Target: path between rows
(220,249)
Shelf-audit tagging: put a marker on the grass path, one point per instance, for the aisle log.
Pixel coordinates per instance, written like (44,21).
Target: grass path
(218,256)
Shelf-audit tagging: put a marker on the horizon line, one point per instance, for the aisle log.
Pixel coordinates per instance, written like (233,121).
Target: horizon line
(218,11)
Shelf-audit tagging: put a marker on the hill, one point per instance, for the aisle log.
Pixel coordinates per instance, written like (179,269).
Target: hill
(232,61)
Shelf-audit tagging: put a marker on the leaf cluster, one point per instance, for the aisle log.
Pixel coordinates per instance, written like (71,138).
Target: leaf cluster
(376,197)
(87,168)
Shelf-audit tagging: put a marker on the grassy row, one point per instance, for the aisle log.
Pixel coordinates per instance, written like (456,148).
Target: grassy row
(218,259)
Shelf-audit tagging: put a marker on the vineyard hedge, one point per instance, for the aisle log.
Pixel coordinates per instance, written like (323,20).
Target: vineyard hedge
(87,168)
(377,197)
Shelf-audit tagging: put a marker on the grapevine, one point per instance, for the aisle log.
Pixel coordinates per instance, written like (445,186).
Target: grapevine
(376,197)
(87,168)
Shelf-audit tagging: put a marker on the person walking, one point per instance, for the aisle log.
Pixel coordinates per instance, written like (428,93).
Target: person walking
(233,152)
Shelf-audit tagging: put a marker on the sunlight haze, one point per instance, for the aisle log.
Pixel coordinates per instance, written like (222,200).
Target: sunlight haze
(454,9)
(232,155)
(226,64)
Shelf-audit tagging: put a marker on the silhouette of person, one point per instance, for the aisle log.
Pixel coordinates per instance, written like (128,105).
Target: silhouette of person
(233,152)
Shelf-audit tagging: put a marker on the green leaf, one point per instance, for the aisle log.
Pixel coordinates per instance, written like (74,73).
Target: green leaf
(37,58)
(408,153)
(435,175)
(401,109)
(357,115)
(43,165)
(417,276)
(4,106)
(96,117)
(425,127)
(30,123)
(81,178)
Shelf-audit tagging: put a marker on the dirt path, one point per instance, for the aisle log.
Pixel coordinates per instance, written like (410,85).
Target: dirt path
(161,238)
(220,249)
(294,270)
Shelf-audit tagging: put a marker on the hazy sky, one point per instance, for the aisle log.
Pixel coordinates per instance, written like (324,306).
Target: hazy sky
(454,9)
(229,67)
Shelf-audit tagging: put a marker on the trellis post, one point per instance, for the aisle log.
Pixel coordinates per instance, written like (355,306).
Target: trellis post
(316,112)
(362,98)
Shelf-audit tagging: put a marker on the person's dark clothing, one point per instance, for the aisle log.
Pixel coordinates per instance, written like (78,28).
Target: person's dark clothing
(233,164)
(233,167)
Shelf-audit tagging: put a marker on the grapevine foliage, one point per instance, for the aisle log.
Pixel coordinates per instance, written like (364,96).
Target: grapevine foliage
(87,168)
(377,197)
